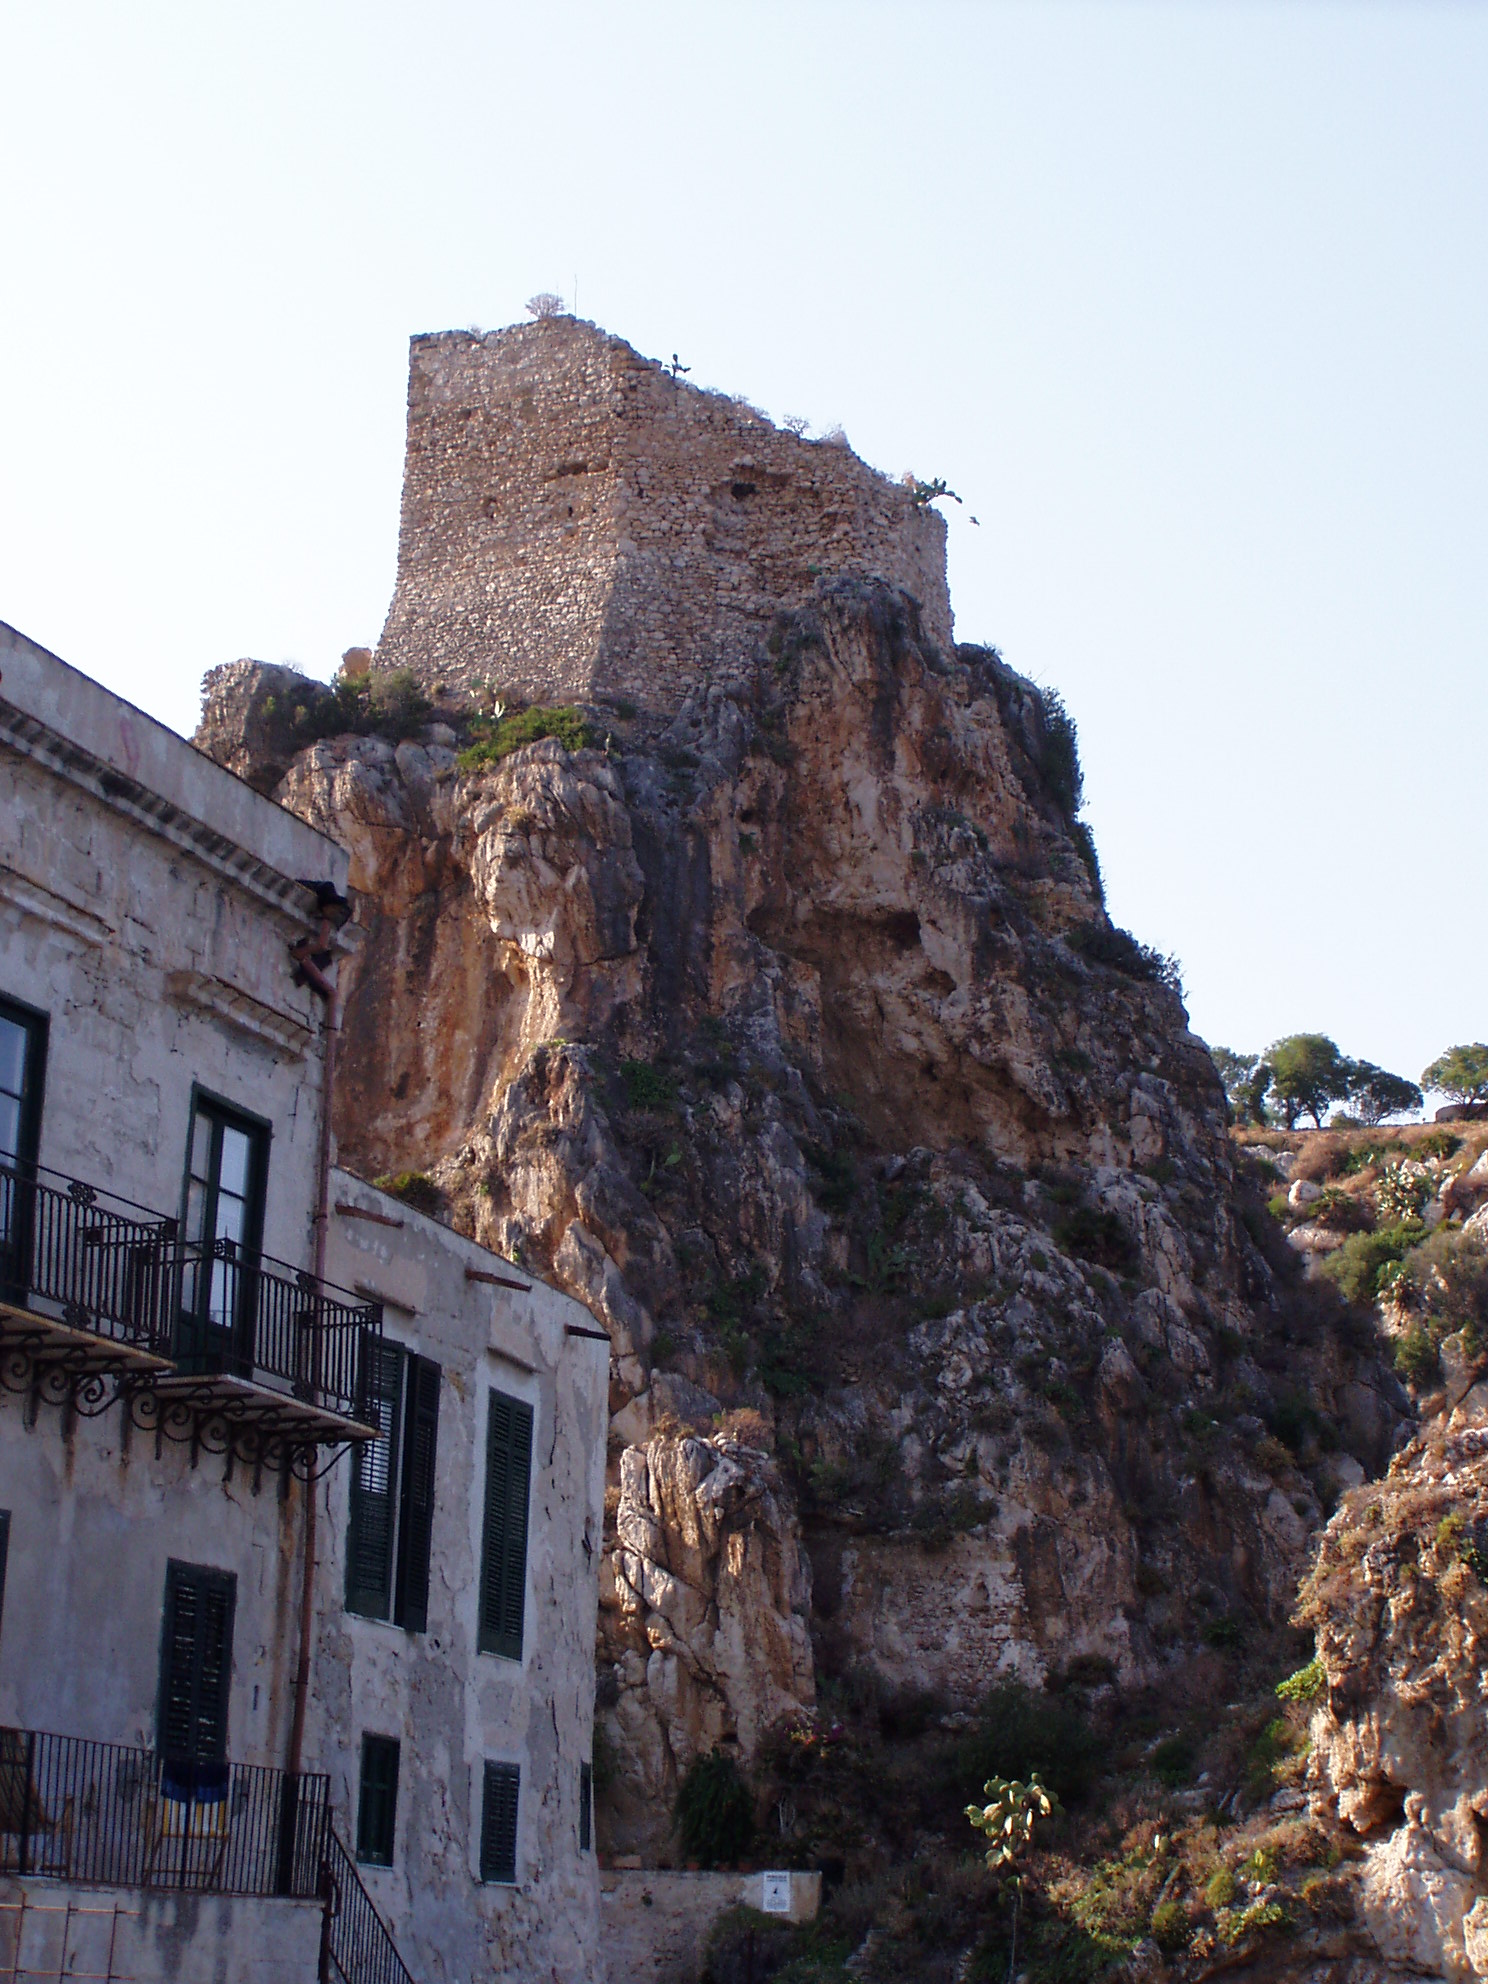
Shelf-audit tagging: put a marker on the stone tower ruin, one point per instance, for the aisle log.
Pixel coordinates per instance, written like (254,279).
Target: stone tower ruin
(578,524)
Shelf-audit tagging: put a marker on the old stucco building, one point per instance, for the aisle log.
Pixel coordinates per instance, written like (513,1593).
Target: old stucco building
(299,1492)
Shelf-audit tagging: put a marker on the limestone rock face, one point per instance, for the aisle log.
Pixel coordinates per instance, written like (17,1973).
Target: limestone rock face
(785,1028)
(707,1599)
(1400,1608)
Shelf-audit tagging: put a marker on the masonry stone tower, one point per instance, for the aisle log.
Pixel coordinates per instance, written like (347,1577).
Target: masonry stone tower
(578,524)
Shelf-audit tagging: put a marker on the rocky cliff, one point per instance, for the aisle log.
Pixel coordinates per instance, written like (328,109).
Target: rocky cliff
(788,1032)
(778,1018)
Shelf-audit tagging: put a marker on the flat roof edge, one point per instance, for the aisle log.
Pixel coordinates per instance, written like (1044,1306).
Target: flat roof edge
(144,752)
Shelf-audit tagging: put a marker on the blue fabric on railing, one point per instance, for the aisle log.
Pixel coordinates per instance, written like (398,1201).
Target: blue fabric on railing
(193,1783)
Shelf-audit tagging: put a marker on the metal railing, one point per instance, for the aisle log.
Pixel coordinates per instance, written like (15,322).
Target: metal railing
(355,1945)
(75,1254)
(102,1815)
(255,1317)
(87,1258)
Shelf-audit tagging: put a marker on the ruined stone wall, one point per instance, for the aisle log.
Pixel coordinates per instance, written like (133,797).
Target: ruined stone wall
(577,524)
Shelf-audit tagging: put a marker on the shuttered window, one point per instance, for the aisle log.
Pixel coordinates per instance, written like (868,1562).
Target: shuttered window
(503,1585)
(586,1806)
(377,1801)
(195,1664)
(392,1492)
(416,1516)
(498,1835)
(374,1475)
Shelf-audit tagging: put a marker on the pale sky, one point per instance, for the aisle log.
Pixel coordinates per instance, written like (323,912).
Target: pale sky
(1188,301)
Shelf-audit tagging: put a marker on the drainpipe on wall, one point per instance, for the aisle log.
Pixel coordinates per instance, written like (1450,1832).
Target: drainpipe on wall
(310,960)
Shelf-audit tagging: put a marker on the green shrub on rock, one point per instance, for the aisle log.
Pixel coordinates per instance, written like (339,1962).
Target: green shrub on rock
(1170,1926)
(496,740)
(1359,1264)
(714,1811)
(1018,1732)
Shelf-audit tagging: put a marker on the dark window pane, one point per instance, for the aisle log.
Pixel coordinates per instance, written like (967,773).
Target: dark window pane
(504,1535)
(498,1842)
(377,1801)
(4,1553)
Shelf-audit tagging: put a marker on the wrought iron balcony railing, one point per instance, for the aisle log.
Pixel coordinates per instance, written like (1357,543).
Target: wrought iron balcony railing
(101,1815)
(94,1283)
(87,1259)
(251,1317)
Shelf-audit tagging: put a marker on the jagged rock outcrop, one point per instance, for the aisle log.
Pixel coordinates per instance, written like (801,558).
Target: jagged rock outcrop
(1399,1604)
(787,1031)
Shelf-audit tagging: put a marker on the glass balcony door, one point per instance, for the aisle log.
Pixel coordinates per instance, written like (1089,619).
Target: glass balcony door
(22,1061)
(227,1163)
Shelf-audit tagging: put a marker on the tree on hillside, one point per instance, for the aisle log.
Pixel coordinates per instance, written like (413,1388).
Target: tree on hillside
(1307,1073)
(1246,1078)
(1461,1073)
(1374,1093)
(1234,1071)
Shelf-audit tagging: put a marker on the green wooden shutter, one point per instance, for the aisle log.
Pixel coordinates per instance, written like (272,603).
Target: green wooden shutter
(416,1515)
(374,1484)
(195,1664)
(498,1840)
(503,1589)
(377,1801)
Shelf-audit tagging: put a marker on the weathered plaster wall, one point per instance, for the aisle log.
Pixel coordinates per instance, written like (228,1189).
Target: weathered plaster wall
(95,1513)
(578,523)
(156,939)
(450,1706)
(147,901)
(49,1930)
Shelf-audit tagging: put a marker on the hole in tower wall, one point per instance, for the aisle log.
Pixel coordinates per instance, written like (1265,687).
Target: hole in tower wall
(739,490)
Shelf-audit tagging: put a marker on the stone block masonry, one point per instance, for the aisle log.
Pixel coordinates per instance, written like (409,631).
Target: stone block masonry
(579,525)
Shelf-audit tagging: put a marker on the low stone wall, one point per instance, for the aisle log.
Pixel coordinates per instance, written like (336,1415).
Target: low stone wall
(654,1925)
(49,1929)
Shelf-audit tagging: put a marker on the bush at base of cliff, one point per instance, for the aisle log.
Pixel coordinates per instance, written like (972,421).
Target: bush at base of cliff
(715,1812)
(746,1947)
(1018,1732)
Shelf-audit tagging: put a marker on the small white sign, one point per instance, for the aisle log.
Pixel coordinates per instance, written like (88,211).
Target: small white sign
(777,1894)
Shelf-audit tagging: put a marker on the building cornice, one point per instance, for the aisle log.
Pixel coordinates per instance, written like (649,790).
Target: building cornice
(30,738)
